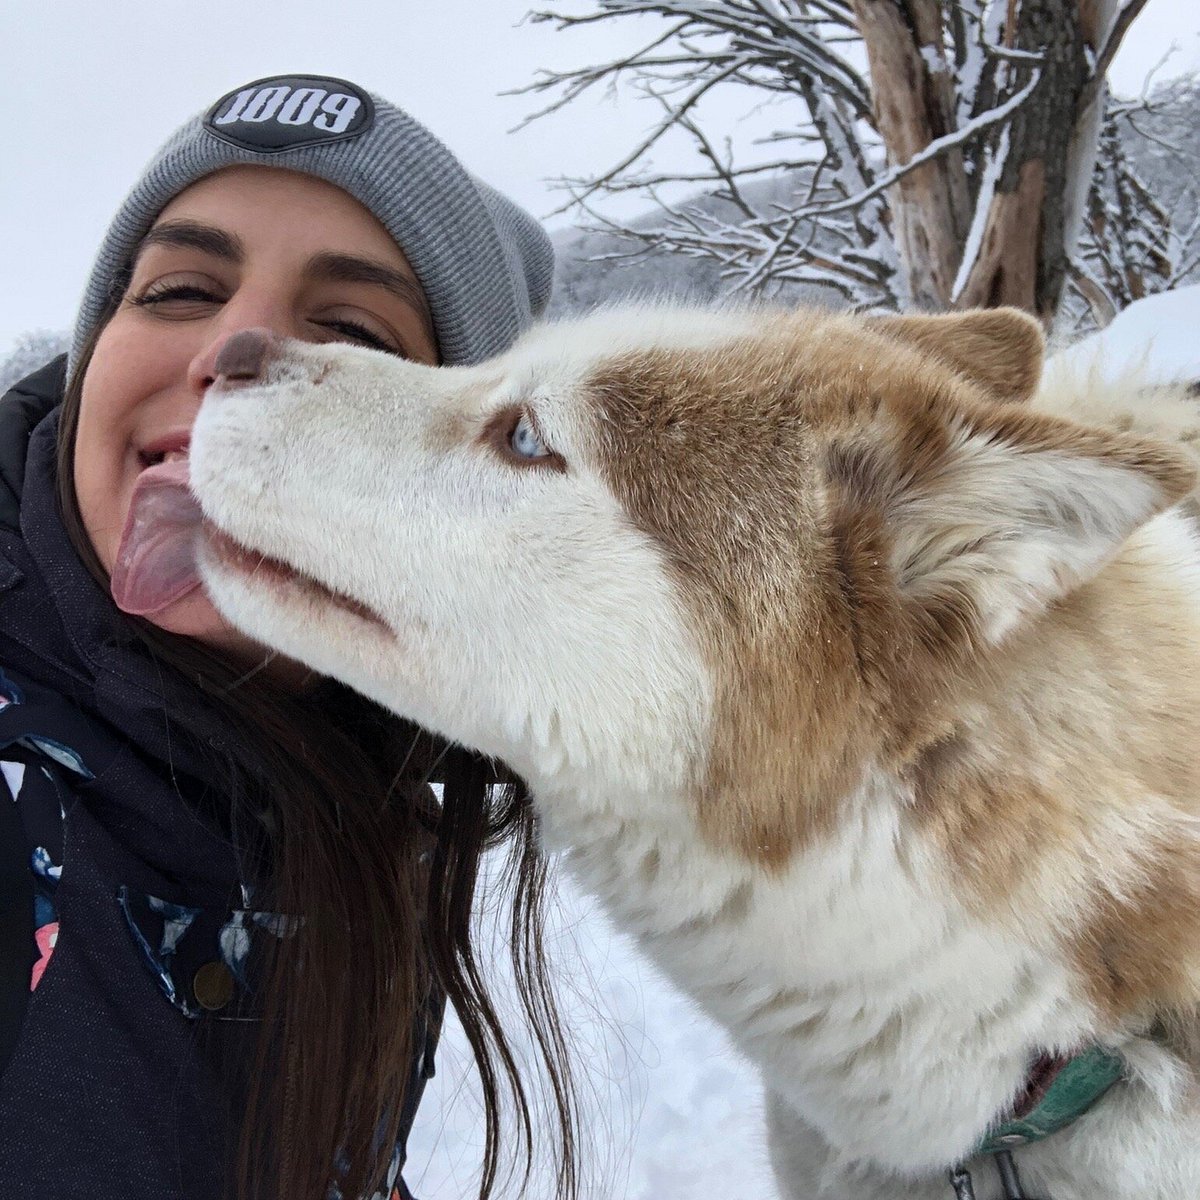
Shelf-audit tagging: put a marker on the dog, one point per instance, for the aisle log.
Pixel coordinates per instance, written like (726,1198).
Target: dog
(860,683)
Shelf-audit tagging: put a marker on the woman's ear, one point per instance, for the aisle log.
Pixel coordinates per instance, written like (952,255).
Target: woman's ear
(998,349)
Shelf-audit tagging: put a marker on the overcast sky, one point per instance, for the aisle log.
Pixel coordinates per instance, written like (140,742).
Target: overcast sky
(92,87)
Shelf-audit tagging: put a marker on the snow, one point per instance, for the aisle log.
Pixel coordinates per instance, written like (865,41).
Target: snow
(671,1111)
(995,158)
(1158,338)
(969,75)
(935,60)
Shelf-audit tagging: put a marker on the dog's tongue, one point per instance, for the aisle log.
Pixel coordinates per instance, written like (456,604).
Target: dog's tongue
(156,560)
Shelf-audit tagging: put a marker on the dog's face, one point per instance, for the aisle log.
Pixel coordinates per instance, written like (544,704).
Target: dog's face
(667,553)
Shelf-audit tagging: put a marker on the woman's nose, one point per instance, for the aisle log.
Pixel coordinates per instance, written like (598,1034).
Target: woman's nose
(238,358)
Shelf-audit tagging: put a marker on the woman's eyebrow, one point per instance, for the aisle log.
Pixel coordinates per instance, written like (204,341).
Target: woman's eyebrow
(193,235)
(333,267)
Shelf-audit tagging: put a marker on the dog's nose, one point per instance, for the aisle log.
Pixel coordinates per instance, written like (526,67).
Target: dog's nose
(244,357)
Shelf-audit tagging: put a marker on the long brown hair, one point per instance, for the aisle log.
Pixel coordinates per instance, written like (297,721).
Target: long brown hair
(334,793)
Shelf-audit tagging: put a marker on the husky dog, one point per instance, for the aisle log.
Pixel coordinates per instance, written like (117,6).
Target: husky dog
(863,689)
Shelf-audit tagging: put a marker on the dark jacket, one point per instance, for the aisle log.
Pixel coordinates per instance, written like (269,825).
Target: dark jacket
(123,1079)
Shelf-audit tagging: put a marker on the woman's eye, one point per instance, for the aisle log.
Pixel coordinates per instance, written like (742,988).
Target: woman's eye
(525,441)
(161,294)
(354,332)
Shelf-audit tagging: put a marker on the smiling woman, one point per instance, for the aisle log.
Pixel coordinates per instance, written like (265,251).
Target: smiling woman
(246,247)
(246,909)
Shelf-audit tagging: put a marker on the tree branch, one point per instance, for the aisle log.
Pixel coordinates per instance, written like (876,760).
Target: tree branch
(938,146)
(675,115)
(1112,43)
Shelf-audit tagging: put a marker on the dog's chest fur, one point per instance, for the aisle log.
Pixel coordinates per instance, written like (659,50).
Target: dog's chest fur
(854,978)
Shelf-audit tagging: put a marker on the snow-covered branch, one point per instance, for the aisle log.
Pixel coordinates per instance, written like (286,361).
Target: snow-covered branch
(917,130)
(934,150)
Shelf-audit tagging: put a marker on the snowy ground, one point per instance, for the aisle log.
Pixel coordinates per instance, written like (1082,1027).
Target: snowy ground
(1158,339)
(674,1113)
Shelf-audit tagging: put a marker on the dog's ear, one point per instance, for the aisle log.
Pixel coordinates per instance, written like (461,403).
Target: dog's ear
(998,349)
(991,512)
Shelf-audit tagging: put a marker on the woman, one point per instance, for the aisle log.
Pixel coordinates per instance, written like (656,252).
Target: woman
(243,910)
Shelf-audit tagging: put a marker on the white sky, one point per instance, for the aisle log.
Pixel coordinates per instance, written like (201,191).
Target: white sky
(92,87)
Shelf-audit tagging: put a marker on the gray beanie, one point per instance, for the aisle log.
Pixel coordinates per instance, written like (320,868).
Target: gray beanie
(485,265)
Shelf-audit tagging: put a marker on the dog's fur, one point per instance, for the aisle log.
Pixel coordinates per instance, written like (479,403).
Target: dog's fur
(865,692)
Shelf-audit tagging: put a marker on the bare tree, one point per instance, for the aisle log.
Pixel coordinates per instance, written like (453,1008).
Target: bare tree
(1133,242)
(940,150)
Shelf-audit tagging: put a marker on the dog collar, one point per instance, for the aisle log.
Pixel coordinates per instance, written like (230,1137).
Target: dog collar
(1058,1091)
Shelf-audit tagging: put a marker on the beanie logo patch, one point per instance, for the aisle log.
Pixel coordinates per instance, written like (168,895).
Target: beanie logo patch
(287,111)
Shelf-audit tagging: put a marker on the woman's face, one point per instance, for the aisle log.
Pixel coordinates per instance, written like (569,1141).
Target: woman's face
(246,247)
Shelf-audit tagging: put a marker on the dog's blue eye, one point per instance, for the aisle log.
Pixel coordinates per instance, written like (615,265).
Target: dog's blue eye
(524,440)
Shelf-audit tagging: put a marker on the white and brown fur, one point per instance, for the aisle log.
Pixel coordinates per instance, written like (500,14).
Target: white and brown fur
(864,692)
